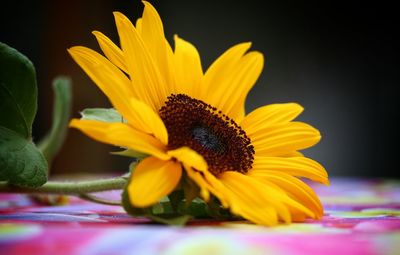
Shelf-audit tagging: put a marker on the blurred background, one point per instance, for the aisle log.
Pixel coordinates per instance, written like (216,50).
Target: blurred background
(338,61)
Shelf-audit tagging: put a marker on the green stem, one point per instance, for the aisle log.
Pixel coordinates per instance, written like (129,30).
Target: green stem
(68,188)
(99,200)
(53,141)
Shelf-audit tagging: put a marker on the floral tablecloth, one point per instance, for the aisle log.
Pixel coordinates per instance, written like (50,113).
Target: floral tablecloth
(361,217)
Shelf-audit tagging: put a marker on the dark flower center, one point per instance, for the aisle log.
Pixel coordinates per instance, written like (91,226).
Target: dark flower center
(195,124)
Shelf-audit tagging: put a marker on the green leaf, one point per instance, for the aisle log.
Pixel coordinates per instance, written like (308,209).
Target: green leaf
(102,114)
(21,163)
(18,91)
(51,144)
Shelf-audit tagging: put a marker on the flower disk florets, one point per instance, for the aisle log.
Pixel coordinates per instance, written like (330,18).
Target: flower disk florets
(205,129)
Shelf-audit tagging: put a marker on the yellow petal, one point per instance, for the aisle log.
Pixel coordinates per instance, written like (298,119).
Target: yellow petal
(198,178)
(296,166)
(138,25)
(197,169)
(281,139)
(269,115)
(190,157)
(293,154)
(236,89)
(112,52)
(223,67)
(112,81)
(152,33)
(229,79)
(189,72)
(143,118)
(121,134)
(153,179)
(147,82)
(172,87)
(253,200)
(194,164)
(297,215)
(297,209)
(116,87)
(294,188)
(281,196)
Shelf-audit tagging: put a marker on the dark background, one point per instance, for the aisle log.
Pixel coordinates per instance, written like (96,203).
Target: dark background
(339,61)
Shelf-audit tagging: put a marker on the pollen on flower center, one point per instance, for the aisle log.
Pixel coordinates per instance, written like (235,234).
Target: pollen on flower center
(222,142)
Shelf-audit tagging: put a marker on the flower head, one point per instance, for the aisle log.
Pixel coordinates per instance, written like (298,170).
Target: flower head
(194,122)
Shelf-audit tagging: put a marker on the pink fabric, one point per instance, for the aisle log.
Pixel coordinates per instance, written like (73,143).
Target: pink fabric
(361,217)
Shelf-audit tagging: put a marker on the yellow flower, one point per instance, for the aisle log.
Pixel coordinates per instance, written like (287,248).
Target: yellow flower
(192,121)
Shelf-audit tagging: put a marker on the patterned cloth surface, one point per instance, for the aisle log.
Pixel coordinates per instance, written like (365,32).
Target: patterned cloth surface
(361,217)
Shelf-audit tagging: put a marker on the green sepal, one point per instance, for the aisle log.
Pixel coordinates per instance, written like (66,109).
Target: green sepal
(190,190)
(110,115)
(130,153)
(171,220)
(129,208)
(102,114)
(215,210)
(175,198)
(198,208)
(132,167)
(179,206)
(160,212)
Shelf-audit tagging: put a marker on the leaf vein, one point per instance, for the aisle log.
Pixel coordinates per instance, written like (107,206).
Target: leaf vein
(19,110)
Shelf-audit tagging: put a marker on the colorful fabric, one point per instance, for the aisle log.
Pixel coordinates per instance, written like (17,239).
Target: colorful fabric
(361,217)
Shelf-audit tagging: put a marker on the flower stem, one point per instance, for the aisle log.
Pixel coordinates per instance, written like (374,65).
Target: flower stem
(99,200)
(68,188)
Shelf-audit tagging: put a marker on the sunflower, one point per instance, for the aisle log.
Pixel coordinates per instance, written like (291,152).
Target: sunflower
(192,124)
